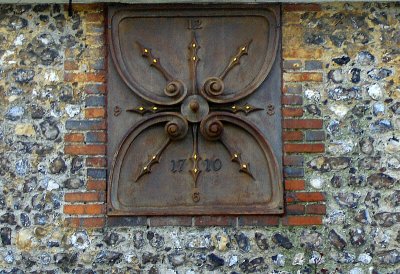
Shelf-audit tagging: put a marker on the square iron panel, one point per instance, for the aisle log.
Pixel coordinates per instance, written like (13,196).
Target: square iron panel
(194,111)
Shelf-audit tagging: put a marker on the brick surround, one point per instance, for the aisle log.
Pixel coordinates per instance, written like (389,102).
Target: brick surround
(86,136)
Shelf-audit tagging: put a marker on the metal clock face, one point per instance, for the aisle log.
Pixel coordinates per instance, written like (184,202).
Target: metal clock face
(192,124)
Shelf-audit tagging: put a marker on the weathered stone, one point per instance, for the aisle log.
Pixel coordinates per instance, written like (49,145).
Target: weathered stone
(23,76)
(252,266)
(355,75)
(379,74)
(349,200)
(214,261)
(337,181)
(58,166)
(395,108)
(279,260)
(341,60)
(22,167)
(369,163)
(15,113)
(261,241)
(80,240)
(390,257)
(394,198)
(148,257)
(313,109)
(155,239)
(17,22)
(282,241)
(50,129)
(365,58)
(336,76)
(8,218)
(336,240)
(76,164)
(381,180)
(65,260)
(112,239)
(325,164)
(344,94)
(357,236)
(375,92)
(5,234)
(73,183)
(381,126)
(108,257)
(243,242)
(363,216)
(177,258)
(387,219)
(367,145)
(25,220)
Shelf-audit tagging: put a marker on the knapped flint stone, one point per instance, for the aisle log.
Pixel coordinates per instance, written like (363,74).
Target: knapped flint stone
(344,94)
(381,180)
(65,260)
(41,7)
(49,129)
(15,113)
(336,240)
(345,199)
(325,164)
(390,257)
(108,257)
(73,183)
(40,219)
(381,126)
(355,75)
(5,234)
(361,37)
(367,145)
(261,241)
(337,181)
(378,109)
(396,108)
(138,239)
(379,74)
(25,221)
(17,23)
(23,76)
(243,242)
(37,112)
(365,58)
(341,60)
(149,257)
(153,270)
(310,239)
(337,39)
(48,56)
(359,110)
(255,265)
(282,241)
(8,218)
(369,163)
(336,76)
(177,258)
(112,239)
(214,261)
(22,167)
(387,219)
(313,109)
(155,239)
(394,198)
(357,236)
(58,166)
(314,39)
(363,217)
(76,164)
(27,259)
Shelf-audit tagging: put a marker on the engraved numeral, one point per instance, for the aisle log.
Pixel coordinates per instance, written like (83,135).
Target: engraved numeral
(194,24)
(213,165)
(177,165)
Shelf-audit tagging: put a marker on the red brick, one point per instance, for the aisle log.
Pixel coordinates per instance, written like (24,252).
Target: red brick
(295,209)
(85,149)
(84,197)
(96,185)
(292,112)
(292,100)
(259,220)
(85,7)
(84,77)
(74,137)
(291,185)
(215,221)
(317,209)
(71,65)
(303,123)
(305,197)
(304,148)
(86,222)
(293,160)
(293,135)
(84,209)
(302,53)
(301,7)
(96,162)
(171,221)
(94,17)
(95,112)
(303,77)
(302,220)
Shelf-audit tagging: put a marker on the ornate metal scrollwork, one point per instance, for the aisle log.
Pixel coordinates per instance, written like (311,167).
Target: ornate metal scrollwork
(209,107)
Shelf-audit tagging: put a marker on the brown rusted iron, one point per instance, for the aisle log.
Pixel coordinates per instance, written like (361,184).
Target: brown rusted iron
(190,138)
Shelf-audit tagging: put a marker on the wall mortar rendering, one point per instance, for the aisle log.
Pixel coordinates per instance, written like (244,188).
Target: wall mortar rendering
(341,109)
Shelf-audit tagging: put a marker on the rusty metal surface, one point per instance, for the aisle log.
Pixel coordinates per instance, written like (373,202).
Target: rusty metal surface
(192,100)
